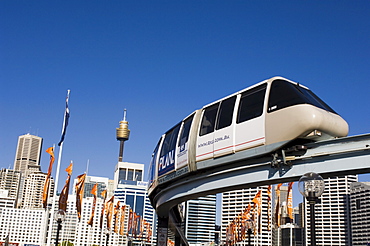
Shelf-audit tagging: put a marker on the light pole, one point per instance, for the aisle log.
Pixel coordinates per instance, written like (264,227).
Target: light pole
(250,226)
(311,185)
(59,216)
(107,232)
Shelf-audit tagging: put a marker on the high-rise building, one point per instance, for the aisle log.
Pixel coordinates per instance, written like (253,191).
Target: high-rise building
(360,213)
(27,158)
(332,214)
(234,202)
(130,189)
(10,180)
(200,220)
(33,190)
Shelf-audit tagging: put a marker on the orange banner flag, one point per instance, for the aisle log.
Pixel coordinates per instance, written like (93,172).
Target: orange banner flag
(94,192)
(79,193)
(269,208)
(45,194)
(130,219)
(257,200)
(116,210)
(122,220)
(104,195)
(109,211)
(277,207)
(63,197)
(148,231)
(290,201)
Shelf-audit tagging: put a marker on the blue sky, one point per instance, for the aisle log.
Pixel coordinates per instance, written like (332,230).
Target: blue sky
(161,60)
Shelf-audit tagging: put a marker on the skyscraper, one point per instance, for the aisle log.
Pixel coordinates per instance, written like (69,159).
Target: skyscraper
(200,217)
(27,158)
(332,213)
(360,213)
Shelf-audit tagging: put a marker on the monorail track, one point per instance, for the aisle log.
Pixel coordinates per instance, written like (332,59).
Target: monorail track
(349,155)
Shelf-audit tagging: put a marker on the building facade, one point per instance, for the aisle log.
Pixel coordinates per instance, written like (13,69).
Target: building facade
(332,214)
(360,213)
(234,202)
(200,217)
(9,182)
(28,154)
(23,226)
(33,189)
(130,189)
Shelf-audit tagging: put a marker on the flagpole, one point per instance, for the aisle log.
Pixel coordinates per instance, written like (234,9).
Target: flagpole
(58,168)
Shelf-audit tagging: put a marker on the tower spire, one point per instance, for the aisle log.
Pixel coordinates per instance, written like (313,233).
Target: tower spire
(122,134)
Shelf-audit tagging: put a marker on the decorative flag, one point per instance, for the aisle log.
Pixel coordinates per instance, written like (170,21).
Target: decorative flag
(94,192)
(104,195)
(66,119)
(245,217)
(141,227)
(148,231)
(269,208)
(79,193)
(63,198)
(290,201)
(109,211)
(122,220)
(258,201)
(116,210)
(130,219)
(277,207)
(45,194)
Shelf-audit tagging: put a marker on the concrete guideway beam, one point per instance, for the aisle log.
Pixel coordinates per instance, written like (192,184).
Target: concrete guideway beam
(343,156)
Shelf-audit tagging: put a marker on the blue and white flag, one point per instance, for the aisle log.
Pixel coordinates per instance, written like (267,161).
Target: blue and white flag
(65,122)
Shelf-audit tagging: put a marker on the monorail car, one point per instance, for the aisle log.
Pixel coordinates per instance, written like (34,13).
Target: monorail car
(273,112)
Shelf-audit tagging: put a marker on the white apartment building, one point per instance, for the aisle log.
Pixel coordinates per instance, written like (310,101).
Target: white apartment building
(234,202)
(5,200)
(200,217)
(23,226)
(360,213)
(33,190)
(332,214)
(10,180)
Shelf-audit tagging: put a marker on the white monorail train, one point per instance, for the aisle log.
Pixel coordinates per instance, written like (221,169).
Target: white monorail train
(274,112)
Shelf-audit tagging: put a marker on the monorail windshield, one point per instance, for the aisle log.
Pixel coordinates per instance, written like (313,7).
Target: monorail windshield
(284,94)
(152,167)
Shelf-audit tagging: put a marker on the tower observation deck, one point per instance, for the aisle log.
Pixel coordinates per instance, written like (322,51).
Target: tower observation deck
(122,134)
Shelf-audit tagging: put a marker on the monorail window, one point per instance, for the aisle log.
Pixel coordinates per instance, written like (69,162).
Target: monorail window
(284,94)
(184,135)
(169,142)
(225,113)
(209,119)
(251,104)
